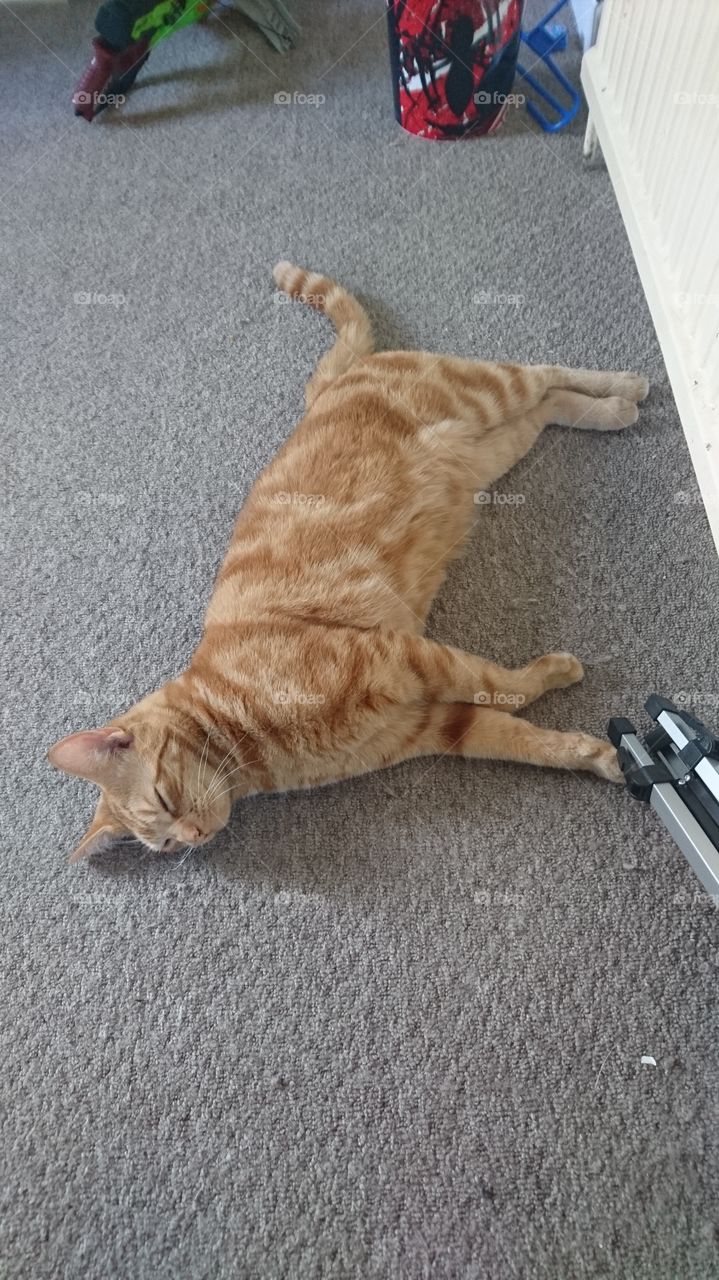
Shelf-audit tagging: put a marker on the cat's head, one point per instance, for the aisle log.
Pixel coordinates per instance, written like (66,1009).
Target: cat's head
(156,779)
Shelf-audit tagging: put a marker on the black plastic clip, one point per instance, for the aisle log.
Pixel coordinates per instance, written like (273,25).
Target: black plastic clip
(700,747)
(642,778)
(618,726)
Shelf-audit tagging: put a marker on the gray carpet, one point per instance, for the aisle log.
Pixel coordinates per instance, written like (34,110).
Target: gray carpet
(393,1028)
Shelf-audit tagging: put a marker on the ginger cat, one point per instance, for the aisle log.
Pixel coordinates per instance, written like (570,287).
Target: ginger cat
(312,666)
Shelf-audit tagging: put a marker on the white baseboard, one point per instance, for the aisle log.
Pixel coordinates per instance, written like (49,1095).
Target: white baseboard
(692,394)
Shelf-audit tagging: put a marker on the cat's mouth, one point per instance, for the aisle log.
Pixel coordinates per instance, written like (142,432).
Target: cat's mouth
(170,845)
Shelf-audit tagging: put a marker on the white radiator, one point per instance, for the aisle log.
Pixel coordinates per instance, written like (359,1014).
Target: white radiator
(652,84)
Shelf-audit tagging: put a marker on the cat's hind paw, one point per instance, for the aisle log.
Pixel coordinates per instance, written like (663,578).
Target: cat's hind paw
(630,386)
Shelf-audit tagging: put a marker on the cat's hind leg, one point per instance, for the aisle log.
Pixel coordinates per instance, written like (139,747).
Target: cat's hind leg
(597,382)
(588,413)
(446,674)
(497,450)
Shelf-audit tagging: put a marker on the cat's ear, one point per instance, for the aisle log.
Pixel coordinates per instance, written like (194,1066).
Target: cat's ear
(92,754)
(102,831)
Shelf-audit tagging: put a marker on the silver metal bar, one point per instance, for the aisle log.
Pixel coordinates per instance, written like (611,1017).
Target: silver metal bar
(691,837)
(681,824)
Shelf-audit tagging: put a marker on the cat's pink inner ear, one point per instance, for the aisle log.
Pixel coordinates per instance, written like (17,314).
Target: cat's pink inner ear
(90,754)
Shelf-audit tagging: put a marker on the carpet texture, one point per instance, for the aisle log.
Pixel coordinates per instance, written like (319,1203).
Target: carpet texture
(392,1028)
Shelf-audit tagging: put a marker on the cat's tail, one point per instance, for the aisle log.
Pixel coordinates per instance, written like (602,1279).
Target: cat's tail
(354,332)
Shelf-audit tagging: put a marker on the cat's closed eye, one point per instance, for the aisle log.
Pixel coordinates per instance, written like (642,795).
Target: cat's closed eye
(163,802)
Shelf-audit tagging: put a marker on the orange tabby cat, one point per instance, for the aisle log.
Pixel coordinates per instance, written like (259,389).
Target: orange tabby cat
(312,666)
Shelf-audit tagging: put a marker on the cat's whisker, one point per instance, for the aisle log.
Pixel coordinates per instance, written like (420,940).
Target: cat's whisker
(217,770)
(235,746)
(227,755)
(204,758)
(190,848)
(211,797)
(230,789)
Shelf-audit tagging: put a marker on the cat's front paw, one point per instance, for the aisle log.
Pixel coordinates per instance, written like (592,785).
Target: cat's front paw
(606,765)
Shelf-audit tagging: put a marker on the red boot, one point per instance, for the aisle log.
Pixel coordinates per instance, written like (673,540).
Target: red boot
(108,76)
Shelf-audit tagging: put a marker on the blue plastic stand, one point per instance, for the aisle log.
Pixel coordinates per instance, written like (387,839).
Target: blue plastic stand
(544,40)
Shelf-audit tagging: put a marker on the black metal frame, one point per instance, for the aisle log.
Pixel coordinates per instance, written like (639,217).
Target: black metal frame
(676,771)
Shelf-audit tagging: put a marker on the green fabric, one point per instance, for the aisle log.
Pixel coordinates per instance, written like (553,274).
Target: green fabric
(270,16)
(166,17)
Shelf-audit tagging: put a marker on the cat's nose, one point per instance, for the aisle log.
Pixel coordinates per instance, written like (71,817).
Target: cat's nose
(191,834)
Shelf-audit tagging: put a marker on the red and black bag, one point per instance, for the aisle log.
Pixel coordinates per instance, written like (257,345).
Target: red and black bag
(453,64)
